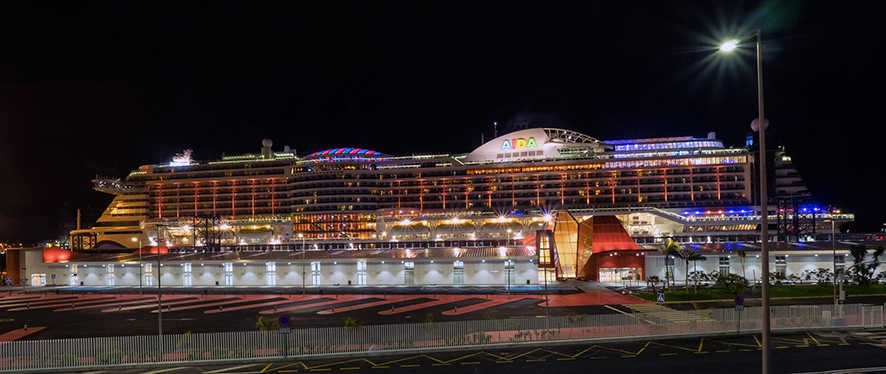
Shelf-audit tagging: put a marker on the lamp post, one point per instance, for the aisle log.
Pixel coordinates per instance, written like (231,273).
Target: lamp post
(134,239)
(834,250)
(303,284)
(760,125)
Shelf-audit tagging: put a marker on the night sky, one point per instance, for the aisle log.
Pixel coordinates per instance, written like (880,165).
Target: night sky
(101,88)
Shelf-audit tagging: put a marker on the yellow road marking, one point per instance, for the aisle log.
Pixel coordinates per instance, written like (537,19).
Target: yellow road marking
(566,358)
(628,356)
(471,363)
(536,360)
(722,350)
(323,369)
(350,368)
(410,365)
(744,350)
(381,367)
(266,368)
(524,354)
(667,354)
(757,341)
(700,343)
(701,353)
(813,338)
(230,369)
(675,346)
(441,364)
(504,362)
(289,365)
(781,347)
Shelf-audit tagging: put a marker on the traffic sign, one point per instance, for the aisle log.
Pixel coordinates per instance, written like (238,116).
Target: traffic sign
(739,300)
(284,330)
(739,307)
(660,298)
(284,320)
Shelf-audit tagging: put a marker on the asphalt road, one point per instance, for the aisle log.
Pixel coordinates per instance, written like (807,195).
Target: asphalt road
(792,353)
(93,322)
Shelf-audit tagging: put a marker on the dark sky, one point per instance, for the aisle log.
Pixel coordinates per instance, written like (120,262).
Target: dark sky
(100,88)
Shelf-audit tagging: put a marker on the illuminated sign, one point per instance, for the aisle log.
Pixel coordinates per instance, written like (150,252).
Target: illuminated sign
(519,143)
(182,159)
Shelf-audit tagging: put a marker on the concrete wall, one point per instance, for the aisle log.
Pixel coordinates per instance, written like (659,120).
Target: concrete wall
(289,274)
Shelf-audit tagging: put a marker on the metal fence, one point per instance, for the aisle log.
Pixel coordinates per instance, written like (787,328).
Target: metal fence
(317,342)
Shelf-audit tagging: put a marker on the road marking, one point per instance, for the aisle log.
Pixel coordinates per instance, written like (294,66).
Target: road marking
(617,310)
(350,368)
(566,358)
(469,363)
(757,341)
(813,338)
(266,368)
(322,369)
(229,369)
(409,365)
(504,362)
(855,370)
(165,370)
(701,353)
(667,354)
(288,365)
(722,350)
(700,343)
(535,360)
(628,356)
(381,367)
(744,350)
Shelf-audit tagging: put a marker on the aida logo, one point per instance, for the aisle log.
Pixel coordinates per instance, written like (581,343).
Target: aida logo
(519,143)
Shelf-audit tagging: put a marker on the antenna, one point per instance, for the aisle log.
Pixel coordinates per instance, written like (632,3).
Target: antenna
(495,128)
(482,141)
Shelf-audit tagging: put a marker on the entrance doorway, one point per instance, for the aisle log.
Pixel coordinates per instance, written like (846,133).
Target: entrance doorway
(619,274)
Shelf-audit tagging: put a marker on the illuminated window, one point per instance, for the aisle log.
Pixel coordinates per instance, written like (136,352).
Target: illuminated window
(186,275)
(271,273)
(315,273)
(458,272)
(361,273)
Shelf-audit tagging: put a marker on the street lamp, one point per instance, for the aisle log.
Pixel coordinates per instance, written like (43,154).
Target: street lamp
(760,125)
(134,239)
(303,284)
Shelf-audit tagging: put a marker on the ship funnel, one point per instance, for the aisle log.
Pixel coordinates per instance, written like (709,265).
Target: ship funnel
(266,148)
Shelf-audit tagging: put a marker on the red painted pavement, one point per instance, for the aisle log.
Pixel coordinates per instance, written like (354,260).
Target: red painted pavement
(134,299)
(441,300)
(183,299)
(81,300)
(20,333)
(244,299)
(269,303)
(493,301)
(340,299)
(391,299)
(591,298)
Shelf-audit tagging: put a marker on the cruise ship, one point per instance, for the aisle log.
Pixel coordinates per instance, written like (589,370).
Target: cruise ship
(556,198)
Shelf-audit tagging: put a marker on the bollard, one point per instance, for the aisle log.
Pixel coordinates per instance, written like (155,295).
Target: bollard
(26,327)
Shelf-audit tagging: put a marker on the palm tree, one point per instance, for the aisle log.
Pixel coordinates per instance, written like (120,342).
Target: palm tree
(677,249)
(671,249)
